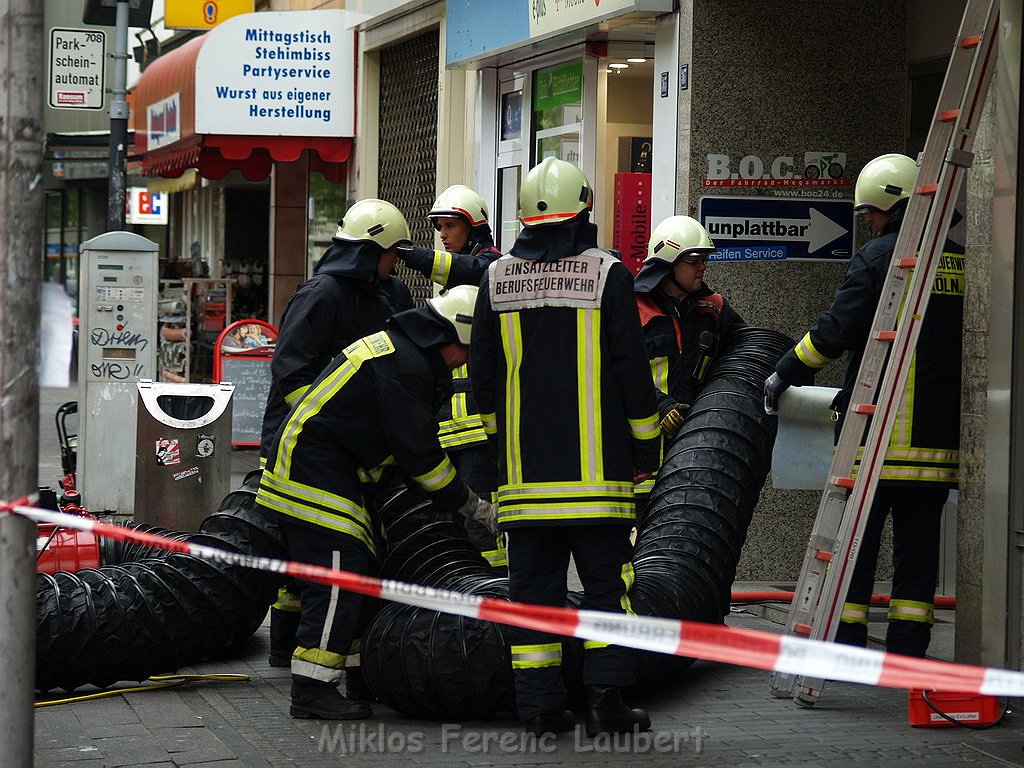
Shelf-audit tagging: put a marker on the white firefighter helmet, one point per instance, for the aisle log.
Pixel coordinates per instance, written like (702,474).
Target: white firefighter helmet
(885,181)
(456,306)
(459,201)
(374,221)
(553,192)
(677,236)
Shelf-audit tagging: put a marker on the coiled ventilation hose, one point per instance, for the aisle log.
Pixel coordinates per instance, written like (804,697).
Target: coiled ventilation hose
(148,611)
(433,665)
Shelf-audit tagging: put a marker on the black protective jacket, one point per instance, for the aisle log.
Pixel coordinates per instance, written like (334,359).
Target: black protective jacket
(371,412)
(559,372)
(683,337)
(342,302)
(925,441)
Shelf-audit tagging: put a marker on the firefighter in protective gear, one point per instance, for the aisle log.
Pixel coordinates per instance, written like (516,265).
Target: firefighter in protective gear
(686,324)
(369,414)
(922,459)
(563,385)
(350,295)
(460,217)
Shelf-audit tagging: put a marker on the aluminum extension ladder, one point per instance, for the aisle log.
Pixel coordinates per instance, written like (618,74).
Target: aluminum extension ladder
(846,500)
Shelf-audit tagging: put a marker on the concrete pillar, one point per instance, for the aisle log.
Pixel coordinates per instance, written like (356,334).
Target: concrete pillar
(289,222)
(21,222)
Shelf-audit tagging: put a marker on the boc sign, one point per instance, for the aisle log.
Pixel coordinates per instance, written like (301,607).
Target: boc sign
(766,228)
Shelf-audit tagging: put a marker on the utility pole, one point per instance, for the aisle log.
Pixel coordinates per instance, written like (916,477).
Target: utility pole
(118,123)
(21,226)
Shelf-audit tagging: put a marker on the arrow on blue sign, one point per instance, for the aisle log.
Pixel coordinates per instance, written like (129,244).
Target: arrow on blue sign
(817,230)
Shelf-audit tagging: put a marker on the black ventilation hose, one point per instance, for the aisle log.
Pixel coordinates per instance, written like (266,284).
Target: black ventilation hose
(432,665)
(425,662)
(148,611)
(690,538)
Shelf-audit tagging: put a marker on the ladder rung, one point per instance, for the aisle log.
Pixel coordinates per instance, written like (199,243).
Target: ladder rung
(907,262)
(928,189)
(802,629)
(885,336)
(864,408)
(824,555)
(949,115)
(842,482)
(971,41)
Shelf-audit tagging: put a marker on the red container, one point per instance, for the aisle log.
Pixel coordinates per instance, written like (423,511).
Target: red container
(967,708)
(69,550)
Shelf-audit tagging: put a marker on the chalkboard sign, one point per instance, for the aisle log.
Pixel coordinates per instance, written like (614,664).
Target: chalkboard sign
(251,377)
(243,352)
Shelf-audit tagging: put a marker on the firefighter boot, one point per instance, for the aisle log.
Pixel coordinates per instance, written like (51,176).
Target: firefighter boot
(283,626)
(356,687)
(551,722)
(316,700)
(608,713)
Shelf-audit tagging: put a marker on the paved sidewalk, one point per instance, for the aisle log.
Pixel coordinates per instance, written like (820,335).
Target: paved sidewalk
(710,713)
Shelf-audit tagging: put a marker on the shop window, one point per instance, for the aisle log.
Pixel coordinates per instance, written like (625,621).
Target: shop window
(558,111)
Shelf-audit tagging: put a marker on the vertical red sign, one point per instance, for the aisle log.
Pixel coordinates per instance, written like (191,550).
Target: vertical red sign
(632,227)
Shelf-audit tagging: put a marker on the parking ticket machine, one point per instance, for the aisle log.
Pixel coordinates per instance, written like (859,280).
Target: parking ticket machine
(117,341)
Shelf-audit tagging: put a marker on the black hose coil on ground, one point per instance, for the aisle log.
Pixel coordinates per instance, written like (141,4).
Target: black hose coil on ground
(685,557)
(148,611)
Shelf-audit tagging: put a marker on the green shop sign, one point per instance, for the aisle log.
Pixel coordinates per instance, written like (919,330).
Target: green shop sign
(556,86)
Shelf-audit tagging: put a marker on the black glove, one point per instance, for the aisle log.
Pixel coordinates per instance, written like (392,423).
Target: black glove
(416,257)
(774,386)
(672,419)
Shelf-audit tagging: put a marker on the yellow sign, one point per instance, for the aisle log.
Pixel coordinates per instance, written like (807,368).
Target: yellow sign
(200,14)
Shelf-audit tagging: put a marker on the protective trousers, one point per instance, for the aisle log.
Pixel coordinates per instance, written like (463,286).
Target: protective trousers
(538,560)
(916,522)
(331,619)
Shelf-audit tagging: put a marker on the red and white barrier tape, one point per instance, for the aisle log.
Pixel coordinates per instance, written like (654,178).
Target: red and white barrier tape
(713,642)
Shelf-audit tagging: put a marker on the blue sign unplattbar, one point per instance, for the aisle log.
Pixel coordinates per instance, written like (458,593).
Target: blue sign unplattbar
(762,228)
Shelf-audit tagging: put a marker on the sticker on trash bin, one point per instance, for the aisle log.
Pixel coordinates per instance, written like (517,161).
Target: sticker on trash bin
(168,452)
(204,446)
(185,473)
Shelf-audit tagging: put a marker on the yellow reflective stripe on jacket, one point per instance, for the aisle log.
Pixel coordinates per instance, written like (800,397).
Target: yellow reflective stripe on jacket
(854,613)
(659,372)
(441,268)
(438,477)
(317,507)
(496,558)
(646,428)
(645,487)
(810,356)
(628,577)
(571,500)
(287,601)
(318,664)
(911,610)
(294,396)
(375,345)
(457,437)
(536,656)
(374,474)
(490,421)
(588,384)
(512,342)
